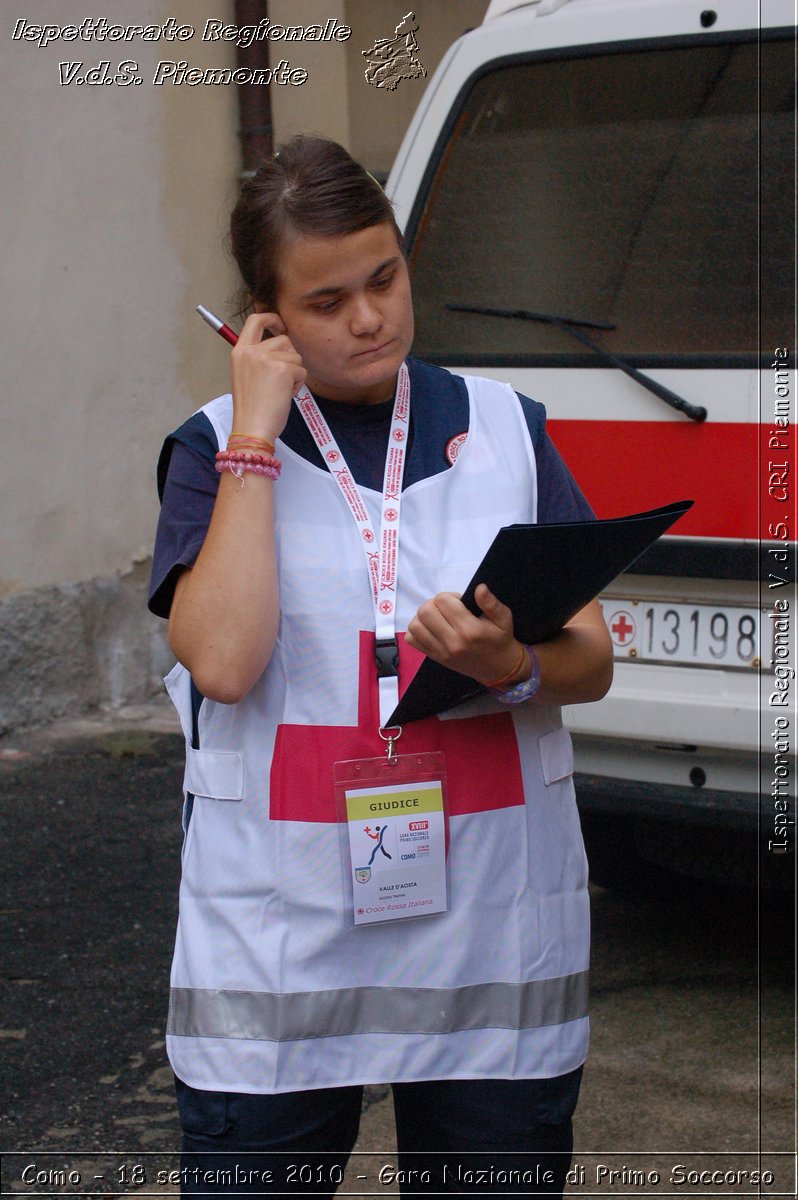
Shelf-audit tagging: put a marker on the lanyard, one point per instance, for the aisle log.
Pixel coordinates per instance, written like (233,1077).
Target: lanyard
(382,555)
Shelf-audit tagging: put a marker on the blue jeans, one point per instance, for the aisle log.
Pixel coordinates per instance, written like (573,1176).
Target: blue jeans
(473,1135)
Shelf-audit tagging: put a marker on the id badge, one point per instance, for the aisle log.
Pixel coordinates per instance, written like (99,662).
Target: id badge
(394,814)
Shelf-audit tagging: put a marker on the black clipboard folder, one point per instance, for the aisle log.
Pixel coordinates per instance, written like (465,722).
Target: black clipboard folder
(545,574)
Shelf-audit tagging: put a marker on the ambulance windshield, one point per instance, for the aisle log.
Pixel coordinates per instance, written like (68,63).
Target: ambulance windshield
(646,191)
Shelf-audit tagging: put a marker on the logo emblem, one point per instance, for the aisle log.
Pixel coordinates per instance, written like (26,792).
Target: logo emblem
(332,456)
(386,607)
(368,536)
(362,874)
(622,627)
(393,59)
(454,446)
(391,514)
(398,435)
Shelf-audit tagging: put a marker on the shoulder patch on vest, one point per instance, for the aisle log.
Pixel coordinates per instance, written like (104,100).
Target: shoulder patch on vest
(454,446)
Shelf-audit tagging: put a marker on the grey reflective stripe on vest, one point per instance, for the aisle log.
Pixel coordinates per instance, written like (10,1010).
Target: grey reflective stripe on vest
(285,1017)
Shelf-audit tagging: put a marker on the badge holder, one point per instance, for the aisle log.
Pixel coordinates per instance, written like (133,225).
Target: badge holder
(394,821)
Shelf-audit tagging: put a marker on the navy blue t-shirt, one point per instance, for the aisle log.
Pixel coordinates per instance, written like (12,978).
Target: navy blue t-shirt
(188,480)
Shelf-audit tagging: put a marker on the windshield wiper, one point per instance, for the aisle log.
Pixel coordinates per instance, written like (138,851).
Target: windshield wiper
(567,324)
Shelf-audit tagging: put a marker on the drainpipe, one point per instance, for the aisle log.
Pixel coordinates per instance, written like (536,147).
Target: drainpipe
(254,102)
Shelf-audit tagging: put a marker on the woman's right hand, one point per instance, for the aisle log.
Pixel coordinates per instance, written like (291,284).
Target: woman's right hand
(266,373)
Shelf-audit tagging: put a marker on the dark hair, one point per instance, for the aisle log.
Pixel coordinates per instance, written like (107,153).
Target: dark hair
(311,186)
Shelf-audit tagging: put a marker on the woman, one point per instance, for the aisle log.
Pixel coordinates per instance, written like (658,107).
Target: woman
(282,1006)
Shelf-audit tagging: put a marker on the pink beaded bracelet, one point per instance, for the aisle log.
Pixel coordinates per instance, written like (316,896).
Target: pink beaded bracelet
(247,456)
(241,468)
(240,462)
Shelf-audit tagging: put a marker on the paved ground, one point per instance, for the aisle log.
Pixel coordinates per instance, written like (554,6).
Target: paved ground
(692,994)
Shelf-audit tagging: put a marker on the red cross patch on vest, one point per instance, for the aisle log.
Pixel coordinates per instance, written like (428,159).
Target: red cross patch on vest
(301,781)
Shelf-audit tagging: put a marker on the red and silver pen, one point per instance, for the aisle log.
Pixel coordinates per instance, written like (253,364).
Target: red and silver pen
(216,323)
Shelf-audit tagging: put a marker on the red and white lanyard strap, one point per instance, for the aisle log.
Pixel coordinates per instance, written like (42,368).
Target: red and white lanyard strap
(382,556)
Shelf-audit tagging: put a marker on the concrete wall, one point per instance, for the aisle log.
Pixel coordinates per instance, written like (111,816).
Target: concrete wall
(113,204)
(114,207)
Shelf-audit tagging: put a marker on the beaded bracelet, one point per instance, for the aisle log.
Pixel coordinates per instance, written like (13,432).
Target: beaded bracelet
(240,462)
(272,470)
(244,456)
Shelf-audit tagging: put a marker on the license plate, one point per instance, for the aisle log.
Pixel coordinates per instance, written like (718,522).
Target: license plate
(695,634)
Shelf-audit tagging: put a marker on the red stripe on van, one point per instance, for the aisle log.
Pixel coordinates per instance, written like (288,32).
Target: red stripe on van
(630,466)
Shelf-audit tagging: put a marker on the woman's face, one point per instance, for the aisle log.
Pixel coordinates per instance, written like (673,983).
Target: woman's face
(346,305)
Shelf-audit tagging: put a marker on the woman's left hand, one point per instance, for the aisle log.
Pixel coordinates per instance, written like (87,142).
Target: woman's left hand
(575,665)
(483,648)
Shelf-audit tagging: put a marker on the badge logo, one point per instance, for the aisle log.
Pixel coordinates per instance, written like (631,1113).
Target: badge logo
(362,874)
(332,456)
(454,446)
(368,536)
(386,607)
(391,514)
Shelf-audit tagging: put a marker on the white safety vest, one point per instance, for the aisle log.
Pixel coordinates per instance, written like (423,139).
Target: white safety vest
(273,988)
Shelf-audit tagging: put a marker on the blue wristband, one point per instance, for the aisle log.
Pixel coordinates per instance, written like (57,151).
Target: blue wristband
(525,690)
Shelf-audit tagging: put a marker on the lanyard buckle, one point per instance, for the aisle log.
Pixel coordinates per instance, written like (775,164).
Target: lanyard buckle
(386,655)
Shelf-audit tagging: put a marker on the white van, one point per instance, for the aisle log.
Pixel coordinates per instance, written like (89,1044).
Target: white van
(608,183)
